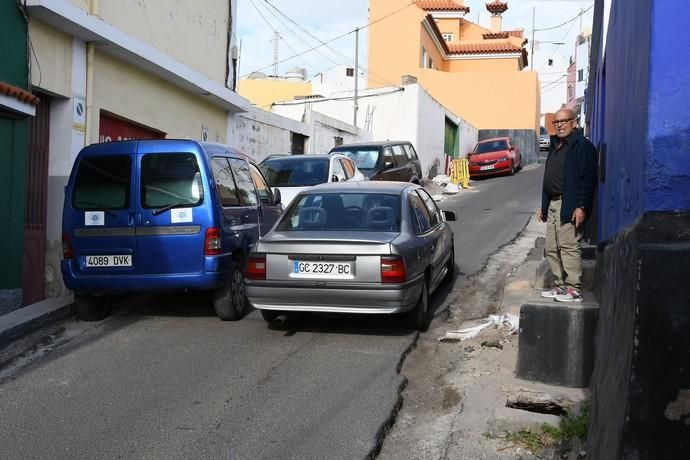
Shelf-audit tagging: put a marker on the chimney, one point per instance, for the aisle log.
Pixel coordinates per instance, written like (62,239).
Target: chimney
(496,8)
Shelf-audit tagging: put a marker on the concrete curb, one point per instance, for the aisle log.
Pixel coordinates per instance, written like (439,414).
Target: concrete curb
(31,318)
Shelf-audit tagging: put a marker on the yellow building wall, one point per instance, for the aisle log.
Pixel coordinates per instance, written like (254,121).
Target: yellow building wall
(51,60)
(488,93)
(204,44)
(488,100)
(141,97)
(484,65)
(264,92)
(431,49)
(394,43)
(449,26)
(471,31)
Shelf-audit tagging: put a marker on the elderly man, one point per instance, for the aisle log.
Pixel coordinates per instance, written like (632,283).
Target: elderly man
(567,193)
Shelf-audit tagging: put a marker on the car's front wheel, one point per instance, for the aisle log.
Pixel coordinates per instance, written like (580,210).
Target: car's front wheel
(418,317)
(90,307)
(230,301)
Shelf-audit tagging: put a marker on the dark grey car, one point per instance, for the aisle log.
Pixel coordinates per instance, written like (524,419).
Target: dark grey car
(385,160)
(360,247)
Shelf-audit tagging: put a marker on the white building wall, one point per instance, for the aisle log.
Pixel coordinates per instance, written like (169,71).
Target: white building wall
(581,66)
(259,133)
(553,79)
(468,138)
(326,129)
(335,80)
(410,114)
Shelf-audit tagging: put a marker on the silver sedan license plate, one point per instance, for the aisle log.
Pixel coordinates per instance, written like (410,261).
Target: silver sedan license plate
(305,269)
(109,261)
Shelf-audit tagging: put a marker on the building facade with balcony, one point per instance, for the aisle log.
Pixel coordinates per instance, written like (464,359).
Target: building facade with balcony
(476,72)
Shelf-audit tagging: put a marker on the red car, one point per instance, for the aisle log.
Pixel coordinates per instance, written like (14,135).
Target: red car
(495,156)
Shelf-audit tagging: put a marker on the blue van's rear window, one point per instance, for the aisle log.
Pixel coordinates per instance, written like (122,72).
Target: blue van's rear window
(103,182)
(170,179)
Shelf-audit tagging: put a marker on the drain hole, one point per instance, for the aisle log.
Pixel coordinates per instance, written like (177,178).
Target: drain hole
(546,407)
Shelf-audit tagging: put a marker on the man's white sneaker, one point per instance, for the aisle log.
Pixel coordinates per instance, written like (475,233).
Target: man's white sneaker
(570,295)
(553,293)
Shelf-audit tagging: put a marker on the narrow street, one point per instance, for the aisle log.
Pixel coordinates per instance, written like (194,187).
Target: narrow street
(164,378)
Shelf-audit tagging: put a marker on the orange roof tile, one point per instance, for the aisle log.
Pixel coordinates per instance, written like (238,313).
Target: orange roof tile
(442,5)
(495,35)
(18,93)
(483,47)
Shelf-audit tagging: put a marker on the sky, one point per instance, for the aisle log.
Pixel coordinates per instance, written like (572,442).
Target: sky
(328,19)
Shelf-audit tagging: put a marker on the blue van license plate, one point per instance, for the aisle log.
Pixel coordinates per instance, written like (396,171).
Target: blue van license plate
(109,261)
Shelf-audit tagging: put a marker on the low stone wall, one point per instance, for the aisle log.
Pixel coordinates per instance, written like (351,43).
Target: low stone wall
(641,381)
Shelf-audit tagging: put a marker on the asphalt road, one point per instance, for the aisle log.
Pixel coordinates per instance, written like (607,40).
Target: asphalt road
(164,378)
(491,213)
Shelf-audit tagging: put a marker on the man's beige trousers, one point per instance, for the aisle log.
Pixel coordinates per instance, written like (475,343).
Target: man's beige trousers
(563,250)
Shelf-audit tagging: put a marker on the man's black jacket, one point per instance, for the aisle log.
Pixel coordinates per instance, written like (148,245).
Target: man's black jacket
(580,177)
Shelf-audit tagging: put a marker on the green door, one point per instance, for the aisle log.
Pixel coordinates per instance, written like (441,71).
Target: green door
(451,141)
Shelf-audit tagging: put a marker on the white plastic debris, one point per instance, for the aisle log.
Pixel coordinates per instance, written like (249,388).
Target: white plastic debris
(506,320)
(452,189)
(437,198)
(441,179)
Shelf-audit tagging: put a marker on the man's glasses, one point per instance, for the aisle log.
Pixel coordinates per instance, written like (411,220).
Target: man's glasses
(561,122)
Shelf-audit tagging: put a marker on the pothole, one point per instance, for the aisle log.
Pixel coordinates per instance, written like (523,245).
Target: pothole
(542,407)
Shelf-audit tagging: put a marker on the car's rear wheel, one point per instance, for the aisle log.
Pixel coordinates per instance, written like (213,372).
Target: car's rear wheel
(92,308)
(512,168)
(418,317)
(230,301)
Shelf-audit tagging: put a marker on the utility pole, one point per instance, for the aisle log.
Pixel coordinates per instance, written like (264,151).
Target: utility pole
(276,37)
(531,58)
(356,107)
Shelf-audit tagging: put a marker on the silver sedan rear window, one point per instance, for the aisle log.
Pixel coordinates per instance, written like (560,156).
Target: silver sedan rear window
(371,212)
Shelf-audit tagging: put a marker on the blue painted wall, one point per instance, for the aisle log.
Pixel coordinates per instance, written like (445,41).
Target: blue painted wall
(641,111)
(668,158)
(620,117)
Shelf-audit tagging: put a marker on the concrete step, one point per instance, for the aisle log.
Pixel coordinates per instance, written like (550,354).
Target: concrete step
(556,344)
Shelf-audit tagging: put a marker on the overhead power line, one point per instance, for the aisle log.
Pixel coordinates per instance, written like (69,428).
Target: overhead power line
(322,43)
(289,29)
(566,22)
(346,59)
(339,98)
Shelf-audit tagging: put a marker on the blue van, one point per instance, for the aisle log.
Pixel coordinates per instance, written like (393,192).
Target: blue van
(152,215)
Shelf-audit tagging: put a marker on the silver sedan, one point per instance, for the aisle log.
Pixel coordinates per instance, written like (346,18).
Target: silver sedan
(358,247)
